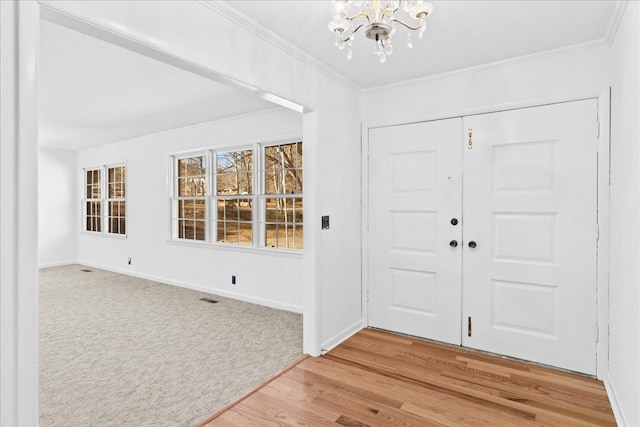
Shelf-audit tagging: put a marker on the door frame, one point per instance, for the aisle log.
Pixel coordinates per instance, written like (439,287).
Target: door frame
(603,171)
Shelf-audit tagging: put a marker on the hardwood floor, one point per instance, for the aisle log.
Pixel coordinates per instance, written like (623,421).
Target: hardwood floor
(380,379)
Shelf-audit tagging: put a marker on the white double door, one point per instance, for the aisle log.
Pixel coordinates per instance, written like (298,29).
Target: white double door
(483,232)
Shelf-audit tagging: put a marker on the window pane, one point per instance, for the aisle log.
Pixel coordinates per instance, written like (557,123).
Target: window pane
(221,184)
(199,209)
(97,224)
(271,157)
(114,225)
(220,231)
(187,228)
(116,218)
(288,236)
(234,172)
(232,233)
(93,189)
(93,216)
(231,210)
(297,210)
(299,237)
(292,184)
(284,217)
(271,232)
(191,179)
(200,227)
(246,209)
(220,210)
(246,233)
(271,210)
(191,217)
(283,169)
(234,221)
(180,188)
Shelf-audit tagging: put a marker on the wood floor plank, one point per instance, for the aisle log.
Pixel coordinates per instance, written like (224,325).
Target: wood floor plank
(376,378)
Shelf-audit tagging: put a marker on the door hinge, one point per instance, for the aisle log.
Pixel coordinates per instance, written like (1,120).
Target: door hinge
(469,326)
(470,140)
(598,128)
(597,231)
(597,333)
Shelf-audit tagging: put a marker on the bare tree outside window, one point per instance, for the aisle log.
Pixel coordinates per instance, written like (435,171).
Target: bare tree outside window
(284,203)
(234,197)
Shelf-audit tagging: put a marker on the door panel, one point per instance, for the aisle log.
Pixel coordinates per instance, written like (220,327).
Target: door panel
(530,201)
(414,190)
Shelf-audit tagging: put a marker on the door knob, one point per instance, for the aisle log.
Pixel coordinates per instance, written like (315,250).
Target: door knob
(454,221)
(472,244)
(453,243)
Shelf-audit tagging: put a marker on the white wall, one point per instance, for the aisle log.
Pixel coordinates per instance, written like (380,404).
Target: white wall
(19,214)
(582,75)
(263,276)
(332,272)
(624,297)
(488,88)
(58,207)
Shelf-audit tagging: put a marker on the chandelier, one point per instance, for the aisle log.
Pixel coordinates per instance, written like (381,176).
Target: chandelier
(378,19)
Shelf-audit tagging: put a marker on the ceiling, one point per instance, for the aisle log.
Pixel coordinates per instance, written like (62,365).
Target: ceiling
(92,92)
(459,34)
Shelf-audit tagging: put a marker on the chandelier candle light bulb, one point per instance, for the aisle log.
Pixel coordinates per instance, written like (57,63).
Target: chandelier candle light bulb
(378,19)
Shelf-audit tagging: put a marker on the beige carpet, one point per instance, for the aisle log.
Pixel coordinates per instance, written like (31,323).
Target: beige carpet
(122,351)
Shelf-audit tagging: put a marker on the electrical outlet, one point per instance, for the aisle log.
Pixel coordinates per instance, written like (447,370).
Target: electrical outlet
(233,280)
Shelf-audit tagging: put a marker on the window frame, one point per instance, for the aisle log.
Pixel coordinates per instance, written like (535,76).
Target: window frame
(264,196)
(211,208)
(103,200)
(175,198)
(108,200)
(214,197)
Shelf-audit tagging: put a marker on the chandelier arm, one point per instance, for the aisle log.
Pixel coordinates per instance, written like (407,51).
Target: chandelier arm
(387,11)
(417,27)
(342,34)
(357,28)
(361,14)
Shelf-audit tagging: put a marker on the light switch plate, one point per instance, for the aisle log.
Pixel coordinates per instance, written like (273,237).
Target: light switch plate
(325,222)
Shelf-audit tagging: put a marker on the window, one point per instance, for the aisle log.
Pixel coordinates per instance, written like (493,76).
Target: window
(234,197)
(116,200)
(93,200)
(99,194)
(252,196)
(190,198)
(283,204)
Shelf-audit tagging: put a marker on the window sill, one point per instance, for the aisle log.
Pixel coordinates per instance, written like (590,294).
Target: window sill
(101,234)
(240,249)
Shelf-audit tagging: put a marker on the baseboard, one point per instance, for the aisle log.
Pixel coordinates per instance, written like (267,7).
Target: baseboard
(57,263)
(615,402)
(342,336)
(219,292)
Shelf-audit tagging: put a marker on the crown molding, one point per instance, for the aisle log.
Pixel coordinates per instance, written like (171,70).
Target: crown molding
(496,66)
(547,55)
(614,23)
(243,21)
(237,18)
